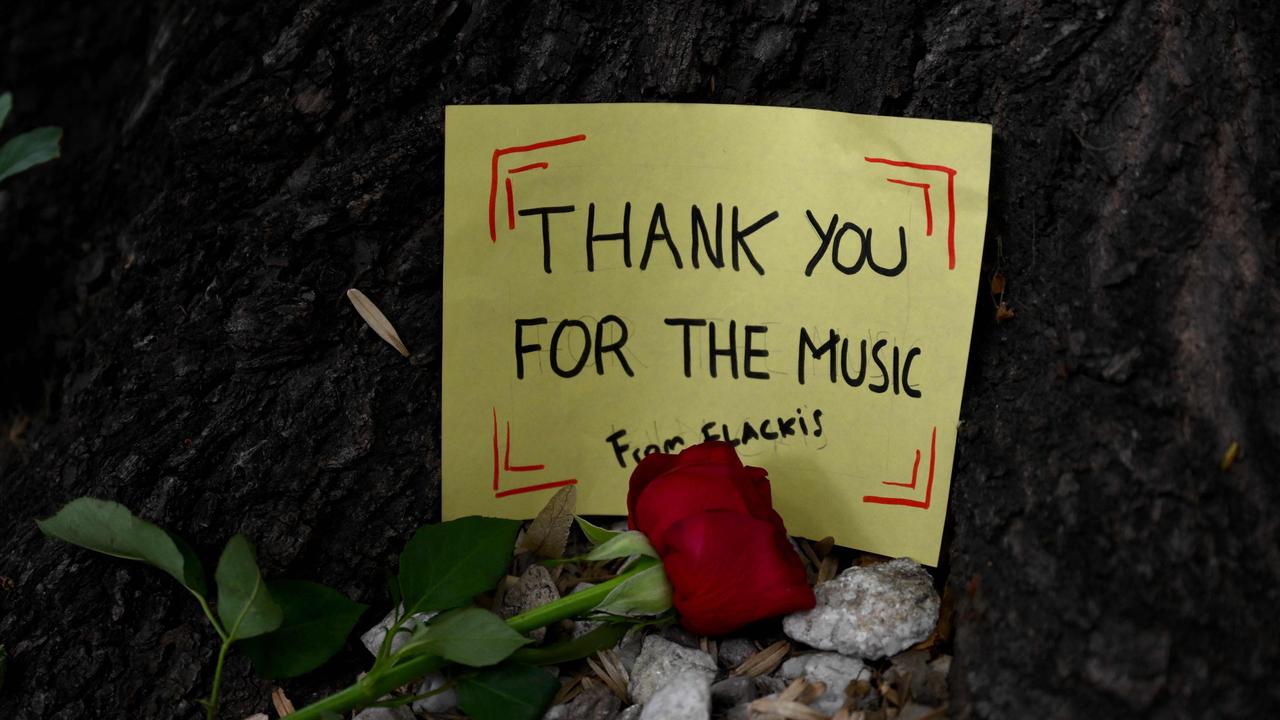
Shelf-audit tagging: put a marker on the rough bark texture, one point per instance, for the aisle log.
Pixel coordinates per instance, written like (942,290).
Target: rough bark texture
(174,324)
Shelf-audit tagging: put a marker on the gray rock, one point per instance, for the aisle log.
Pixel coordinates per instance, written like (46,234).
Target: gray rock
(869,612)
(739,712)
(734,650)
(439,703)
(769,685)
(535,588)
(373,637)
(395,713)
(684,697)
(628,649)
(631,713)
(834,670)
(557,712)
(733,691)
(582,627)
(662,662)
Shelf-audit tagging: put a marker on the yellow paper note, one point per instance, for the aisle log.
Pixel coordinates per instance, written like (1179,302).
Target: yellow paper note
(625,279)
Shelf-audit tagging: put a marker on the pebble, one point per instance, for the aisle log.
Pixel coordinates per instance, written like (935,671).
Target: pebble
(869,612)
(733,691)
(439,703)
(631,713)
(834,670)
(535,588)
(395,713)
(373,637)
(662,663)
(582,627)
(735,650)
(628,649)
(685,697)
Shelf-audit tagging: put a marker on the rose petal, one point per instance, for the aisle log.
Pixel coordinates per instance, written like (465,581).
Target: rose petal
(729,569)
(683,492)
(649,468)
(714,452)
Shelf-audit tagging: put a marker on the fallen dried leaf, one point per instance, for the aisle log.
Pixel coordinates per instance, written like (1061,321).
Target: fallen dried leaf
(828,569)
(1004,312)
(823,547)
(549,531)
(997,283)
(281,702)
(765,661)
(376,320)
(1229,458)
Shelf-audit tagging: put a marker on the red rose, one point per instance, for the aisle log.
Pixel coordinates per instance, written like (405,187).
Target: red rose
(725,549)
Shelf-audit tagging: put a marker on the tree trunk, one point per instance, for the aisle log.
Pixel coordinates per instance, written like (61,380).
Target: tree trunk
(176,336)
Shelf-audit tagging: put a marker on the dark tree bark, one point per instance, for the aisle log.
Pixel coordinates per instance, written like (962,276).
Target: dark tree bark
(175,331)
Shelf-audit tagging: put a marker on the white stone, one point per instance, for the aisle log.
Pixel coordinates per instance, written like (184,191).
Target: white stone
(395,713)
(734,651)
(631,713)
(662,662)
(535,588)
(834,670)
(373,637)
(441,702)
(685,697)
(869,612)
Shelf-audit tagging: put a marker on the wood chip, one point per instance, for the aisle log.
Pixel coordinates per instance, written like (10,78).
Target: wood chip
(376,320)
(786,709)
(569,690)
(793,690)
(281,702)
(764,661)
(611,672)
(549,531)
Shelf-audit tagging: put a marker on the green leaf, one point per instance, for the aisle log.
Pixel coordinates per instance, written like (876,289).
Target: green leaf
(648,592)
(443,566)
(626,544)
(317,620)
(111,529)
(469,636)
(244,604)
(594,533)
(507,692)
(6,104)
(30,148)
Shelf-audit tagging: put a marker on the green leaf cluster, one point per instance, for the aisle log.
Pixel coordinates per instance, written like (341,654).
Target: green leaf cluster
(29,148)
